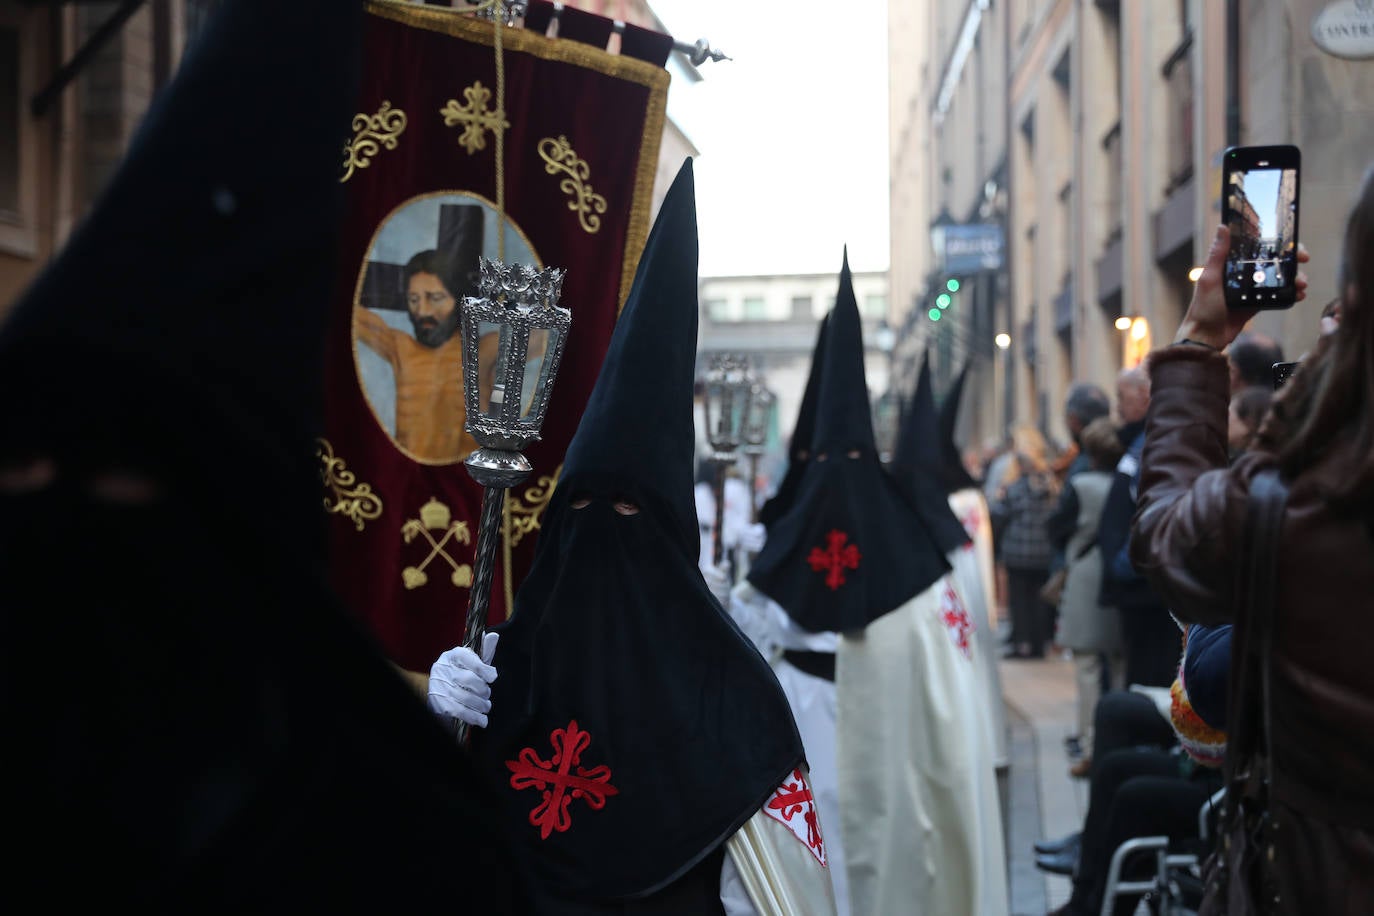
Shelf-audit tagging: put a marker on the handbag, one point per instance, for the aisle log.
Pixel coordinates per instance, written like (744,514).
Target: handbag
(1240,876)
(1052,592)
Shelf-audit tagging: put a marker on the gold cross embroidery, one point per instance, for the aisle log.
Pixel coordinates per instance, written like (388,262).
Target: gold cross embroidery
(474,116)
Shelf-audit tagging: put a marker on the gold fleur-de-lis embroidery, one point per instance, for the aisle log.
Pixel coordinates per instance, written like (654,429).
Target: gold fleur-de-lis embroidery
(474,117)
(530,505)
(347,497)
(372,134)
(558,156)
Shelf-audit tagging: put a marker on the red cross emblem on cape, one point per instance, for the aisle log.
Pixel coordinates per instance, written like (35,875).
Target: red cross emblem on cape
(972,520)
(956,619)
(794,808)
(834,559)
(561,780)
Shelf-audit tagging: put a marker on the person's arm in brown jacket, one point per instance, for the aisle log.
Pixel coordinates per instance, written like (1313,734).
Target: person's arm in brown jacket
(1181,539)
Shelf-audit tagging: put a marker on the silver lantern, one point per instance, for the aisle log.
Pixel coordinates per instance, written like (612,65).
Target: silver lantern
(758,419)
(514,333)
(727,415)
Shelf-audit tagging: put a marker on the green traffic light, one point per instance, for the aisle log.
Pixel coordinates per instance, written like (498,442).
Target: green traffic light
(934,314)
(943,300)
(952,285)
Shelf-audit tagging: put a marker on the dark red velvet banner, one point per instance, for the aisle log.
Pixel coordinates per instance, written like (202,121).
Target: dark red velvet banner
(581,138)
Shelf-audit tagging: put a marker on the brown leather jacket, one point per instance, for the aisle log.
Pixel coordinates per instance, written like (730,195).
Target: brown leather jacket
(1189,527)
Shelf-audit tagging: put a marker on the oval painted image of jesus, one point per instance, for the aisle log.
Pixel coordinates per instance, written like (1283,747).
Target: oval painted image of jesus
(407,315)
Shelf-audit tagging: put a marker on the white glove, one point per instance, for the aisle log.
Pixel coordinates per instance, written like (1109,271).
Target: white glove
(752,537)
(460,683)
(718,581)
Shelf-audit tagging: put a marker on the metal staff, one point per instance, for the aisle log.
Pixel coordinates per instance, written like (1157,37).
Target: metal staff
(519,304)
(761,401)
(727,411)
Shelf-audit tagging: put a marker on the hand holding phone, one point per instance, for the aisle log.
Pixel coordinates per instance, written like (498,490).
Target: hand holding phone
(1259,204)
(1281,373)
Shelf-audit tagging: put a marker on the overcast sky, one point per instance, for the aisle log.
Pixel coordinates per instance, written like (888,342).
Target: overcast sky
(792,133)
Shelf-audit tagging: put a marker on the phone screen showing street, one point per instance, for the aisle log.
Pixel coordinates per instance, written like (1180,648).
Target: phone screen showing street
(1263,213)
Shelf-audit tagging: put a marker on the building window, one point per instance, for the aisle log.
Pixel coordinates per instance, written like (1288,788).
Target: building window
(801,306)
(875,306)
(718,309)
(20,34)
(755,308)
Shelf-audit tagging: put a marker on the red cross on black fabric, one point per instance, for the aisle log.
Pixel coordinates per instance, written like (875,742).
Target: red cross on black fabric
(556,780)
(835,558)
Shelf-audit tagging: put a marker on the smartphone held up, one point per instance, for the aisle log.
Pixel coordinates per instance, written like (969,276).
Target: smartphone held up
(1259,203)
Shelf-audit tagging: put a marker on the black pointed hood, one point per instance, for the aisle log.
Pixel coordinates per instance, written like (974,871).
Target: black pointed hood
(628,431)
(176,340)
(799,450)
(197,287)
(918,466)
(954,473)
(850,548)
(617,652)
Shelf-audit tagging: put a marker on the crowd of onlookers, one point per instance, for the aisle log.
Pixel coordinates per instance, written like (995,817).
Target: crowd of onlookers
(1062,524)
(1220,498)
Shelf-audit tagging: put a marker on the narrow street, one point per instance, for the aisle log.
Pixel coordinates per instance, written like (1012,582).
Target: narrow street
(1042,799)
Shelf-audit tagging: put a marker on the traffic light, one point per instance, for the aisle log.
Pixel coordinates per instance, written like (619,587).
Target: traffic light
(944,298)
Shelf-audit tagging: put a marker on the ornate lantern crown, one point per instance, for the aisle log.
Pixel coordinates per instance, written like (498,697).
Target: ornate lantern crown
(758,417)
(513,338)
(727,403)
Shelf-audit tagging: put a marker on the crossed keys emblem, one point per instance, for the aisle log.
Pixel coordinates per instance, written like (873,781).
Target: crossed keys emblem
(435,516)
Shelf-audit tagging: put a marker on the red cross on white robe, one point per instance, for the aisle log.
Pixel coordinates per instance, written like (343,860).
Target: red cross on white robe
(956,619)
(793,806)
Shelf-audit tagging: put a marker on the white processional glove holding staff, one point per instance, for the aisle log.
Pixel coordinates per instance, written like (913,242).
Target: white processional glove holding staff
(718,581)
(460,683)
(752,537)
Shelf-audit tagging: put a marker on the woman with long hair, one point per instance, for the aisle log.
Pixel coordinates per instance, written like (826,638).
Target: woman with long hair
(1315,819)
(1022,511)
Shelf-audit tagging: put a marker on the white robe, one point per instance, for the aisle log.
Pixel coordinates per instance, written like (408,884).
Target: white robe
(918,795)
(813,707)
(974,578)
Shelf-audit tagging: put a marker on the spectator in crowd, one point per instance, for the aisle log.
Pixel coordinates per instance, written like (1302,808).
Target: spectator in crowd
(1087,628)
(1150,636)
(1154,775)
(1085,403)
(1021,513)
(1252,358)
(1191,541)
(995,472)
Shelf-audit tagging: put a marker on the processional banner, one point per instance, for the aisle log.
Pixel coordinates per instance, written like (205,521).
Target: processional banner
(580,131)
